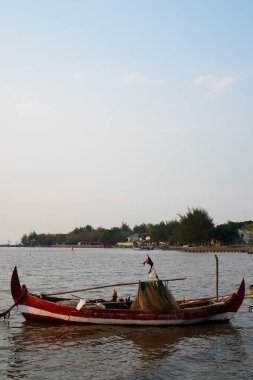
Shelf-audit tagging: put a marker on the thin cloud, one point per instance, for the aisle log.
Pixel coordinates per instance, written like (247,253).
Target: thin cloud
(140,79)
(77,76)
(216,85)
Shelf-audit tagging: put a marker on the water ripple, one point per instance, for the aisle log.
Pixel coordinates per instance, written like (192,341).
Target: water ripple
(44,351)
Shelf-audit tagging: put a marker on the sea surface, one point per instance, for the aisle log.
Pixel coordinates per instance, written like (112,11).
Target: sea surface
(46,351)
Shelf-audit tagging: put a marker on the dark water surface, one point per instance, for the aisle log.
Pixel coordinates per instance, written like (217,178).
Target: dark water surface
(44,351)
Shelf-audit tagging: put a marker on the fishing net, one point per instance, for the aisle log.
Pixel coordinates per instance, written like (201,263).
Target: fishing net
(154,296)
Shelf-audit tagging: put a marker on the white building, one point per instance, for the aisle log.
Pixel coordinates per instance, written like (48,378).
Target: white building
(247,236)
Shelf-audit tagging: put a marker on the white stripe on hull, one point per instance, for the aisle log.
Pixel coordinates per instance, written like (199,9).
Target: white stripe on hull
(47,314)
(222,317)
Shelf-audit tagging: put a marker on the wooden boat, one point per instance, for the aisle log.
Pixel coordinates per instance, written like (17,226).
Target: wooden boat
(143,248)
(250,294)
(140,311)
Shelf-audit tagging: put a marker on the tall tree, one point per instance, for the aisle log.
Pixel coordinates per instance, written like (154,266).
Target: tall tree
(173,232)
(88,228)
(227,233)
(196,226)
(125,227)
(141,229)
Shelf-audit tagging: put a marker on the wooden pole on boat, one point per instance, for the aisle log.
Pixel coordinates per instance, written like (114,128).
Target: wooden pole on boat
(108,286)
(217,278)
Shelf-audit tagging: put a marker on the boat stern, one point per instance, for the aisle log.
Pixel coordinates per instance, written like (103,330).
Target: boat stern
(240,295)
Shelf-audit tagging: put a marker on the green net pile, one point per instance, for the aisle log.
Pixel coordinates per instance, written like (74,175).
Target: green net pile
(154,296)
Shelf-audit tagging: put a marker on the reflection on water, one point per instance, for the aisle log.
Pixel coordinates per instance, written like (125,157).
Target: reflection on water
(44,351)
(38,349)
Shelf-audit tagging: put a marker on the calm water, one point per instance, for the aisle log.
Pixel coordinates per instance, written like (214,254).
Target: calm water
(41,351)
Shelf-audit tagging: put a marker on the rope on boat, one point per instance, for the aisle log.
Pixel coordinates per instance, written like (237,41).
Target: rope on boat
(6,314)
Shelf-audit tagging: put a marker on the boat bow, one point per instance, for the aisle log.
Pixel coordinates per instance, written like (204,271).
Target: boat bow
(16,290)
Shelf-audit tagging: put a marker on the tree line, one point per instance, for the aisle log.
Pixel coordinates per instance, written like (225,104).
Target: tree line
(195,227)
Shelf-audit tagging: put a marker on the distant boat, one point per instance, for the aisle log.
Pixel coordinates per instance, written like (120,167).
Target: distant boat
(154,305)
(143,248)
(250,294)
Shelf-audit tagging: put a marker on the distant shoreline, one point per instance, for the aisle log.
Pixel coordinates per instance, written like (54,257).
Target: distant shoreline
(192,249)
(224,248)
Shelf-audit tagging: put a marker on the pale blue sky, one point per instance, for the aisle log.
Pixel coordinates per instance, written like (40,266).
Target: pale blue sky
(130,111)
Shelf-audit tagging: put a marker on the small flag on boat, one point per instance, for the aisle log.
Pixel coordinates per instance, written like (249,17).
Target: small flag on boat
(149,262)
(152,271)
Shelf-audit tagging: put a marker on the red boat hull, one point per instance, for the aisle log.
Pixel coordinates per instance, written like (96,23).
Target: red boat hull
(36,308)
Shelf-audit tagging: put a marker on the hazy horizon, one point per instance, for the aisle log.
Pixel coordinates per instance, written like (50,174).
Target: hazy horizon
(124,111)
